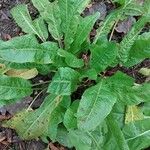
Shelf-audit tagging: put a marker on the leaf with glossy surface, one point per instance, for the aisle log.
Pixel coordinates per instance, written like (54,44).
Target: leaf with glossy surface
(95,105)
(64,82)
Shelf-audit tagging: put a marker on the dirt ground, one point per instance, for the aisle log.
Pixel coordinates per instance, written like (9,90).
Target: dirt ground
(8,29)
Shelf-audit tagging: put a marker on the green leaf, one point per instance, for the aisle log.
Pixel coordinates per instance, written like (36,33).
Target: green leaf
(83,30)
(70,10)
(128,41)
(140,50)
(145,109)
(26,49)
(13,88)
(88,73)
(64,82)
(57,117)
(62,136)
(28,123)
(137,134)
(69,20)
(102,55)
(127,93)
(134,95)
(41,28)
(80,140)
(52,17)
(22,17)
(70,120)
(71,59)
(95,105)
(41,5)
(117,133)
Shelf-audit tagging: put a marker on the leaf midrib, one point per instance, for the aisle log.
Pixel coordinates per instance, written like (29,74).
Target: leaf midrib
(99,89)
(58,97)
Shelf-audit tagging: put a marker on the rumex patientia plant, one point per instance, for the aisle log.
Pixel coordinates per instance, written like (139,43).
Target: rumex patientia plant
(108,115)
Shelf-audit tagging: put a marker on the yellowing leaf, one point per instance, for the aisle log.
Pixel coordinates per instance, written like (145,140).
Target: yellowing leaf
(145,71)
(32,124)
(133,113)
(23,73)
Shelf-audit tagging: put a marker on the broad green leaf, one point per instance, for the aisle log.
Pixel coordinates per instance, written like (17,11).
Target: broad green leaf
(118,112)
(83,30)
(88,73)
(28,123)
(128,41)
(41,28)
(71,59)
(52,17)
(95,105)
(127,93)
(22,17)
(64,82)
(26,49)
(133,113)
(140,50)
(22,73)
(97,136)
(13,88)
(70,10)
(80,140)
(122,78)
(137,134)
(41,5)
(62,136)
(70,120)
(117,134)
(57,117)
(69,20)
(102,55)
(80,5)
(133,95)
(145,109)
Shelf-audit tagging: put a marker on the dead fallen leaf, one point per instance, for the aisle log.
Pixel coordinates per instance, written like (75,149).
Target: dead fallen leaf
(125,25)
